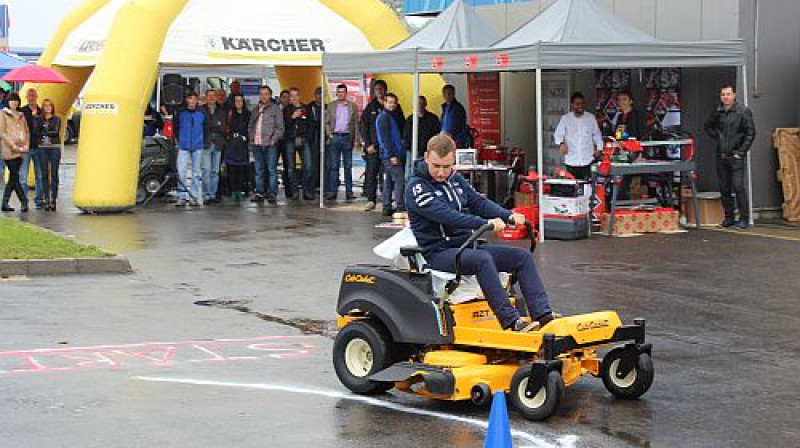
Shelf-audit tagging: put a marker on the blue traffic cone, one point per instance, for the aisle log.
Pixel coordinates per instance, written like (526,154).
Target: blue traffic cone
(499,433)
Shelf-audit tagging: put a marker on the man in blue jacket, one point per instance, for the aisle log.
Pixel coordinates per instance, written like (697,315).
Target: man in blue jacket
(190,134)
(454,118)
(444,209)
(393,155)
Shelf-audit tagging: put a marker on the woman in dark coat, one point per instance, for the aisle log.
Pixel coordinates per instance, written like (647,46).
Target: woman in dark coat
(237,155)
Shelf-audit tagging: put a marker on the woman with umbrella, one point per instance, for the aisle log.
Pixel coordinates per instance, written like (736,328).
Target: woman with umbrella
(14,144)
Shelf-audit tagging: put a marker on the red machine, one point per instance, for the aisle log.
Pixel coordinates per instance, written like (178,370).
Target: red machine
(527,184)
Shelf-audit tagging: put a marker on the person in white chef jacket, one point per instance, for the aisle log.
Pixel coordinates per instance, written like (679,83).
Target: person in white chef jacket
(579,139)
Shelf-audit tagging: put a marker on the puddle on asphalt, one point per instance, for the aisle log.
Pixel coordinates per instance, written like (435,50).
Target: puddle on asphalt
(306,326)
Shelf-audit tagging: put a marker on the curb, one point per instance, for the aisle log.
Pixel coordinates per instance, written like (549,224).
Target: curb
(66,266)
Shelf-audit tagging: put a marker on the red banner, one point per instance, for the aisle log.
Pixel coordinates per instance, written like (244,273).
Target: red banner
(484,106)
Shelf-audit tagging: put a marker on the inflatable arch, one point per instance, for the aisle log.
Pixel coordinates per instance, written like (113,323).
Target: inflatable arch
(122,43)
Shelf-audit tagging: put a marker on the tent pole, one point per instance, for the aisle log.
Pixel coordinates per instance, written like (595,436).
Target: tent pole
(539,152)
(415,126)
(322,138)
(743,71)
(158,90)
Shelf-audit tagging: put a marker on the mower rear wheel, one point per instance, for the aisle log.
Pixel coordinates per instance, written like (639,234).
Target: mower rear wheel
(362,348)
(544,402)
(633,384)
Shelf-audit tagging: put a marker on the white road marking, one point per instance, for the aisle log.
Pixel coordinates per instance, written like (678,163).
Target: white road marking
(567,441)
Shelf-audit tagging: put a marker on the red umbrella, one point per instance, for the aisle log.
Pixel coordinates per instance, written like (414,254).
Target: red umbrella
(35,73)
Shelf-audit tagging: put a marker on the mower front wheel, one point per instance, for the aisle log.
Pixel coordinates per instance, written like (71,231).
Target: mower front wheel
(362,348)
(628,385)
(541,404)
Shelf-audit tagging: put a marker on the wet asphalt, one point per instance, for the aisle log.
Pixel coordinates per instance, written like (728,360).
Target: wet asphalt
(222,337)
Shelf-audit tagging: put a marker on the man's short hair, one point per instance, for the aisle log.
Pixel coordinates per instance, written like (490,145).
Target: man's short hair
(728,85)
(441,145)
(282,92)
(294,89)
(624,92)
(379,82)
(190,94)
(341,86)
(318,91)
(575,96)
(449,87)
(266,87)
(392,95)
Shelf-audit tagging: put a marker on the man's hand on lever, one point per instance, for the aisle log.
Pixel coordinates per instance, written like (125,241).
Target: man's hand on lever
(498,224)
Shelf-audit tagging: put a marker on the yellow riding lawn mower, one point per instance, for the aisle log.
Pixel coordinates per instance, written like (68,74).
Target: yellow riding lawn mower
(398,329)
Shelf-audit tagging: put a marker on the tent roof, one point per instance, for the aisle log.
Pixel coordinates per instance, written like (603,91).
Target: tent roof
(458,26)
(9,62)
(272,32)
(584,21)
(570,34)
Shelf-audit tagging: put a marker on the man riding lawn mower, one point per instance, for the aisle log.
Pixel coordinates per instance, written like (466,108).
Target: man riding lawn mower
(403,328)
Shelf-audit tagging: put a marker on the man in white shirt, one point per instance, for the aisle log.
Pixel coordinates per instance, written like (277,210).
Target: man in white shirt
(579,138)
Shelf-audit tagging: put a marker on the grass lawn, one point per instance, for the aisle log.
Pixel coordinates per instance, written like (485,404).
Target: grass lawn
(22,241)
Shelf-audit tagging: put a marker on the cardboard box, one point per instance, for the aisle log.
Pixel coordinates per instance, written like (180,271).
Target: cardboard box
(628,222)
(709,205)
(553,206)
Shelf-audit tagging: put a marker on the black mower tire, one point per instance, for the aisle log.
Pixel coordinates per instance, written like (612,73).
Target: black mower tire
(379,345)
(636,383)
(539,407)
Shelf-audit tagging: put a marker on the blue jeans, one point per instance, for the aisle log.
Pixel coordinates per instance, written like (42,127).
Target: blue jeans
(194,158)
(340,153)
(486,262)
(266,164)
(32,155)
(394,184)
(51,160)
(290,155)
(211,162)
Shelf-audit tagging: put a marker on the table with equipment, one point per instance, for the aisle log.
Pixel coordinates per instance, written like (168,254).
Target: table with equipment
(614,173)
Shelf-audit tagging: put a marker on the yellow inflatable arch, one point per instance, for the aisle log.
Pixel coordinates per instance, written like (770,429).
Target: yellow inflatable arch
(110,142)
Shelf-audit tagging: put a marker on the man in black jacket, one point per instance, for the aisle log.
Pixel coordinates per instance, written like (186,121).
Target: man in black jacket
(731,125)
(368,136)
(428,127)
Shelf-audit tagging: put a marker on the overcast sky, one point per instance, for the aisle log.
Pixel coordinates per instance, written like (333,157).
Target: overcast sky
(34,21)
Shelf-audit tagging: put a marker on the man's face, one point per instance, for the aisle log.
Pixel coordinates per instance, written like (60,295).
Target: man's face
(440,168)
(294,97)
(284,99)
(423,105)
(579,106)
(727,96)
(380,91)
(318,97)
(449,95)
(390,104)
(221,95)
(236,88)
(264,95)
(191,102)
(32,96)
(211,97)
(624,102)
(341,94)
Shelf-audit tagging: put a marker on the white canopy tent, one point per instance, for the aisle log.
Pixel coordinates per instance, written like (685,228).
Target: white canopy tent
(569,34)
(458,26)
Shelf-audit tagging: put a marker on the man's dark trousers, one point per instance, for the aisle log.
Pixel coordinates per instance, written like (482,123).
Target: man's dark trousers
(372,174)
(731,180)
(486,262)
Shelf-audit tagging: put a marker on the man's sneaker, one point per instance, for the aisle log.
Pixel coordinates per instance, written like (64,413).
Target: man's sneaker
(350,197)
(388,212)
(727,222)
(257,198)
(272,200)
(524,325)
(742,224)
(369,207)
(180,203)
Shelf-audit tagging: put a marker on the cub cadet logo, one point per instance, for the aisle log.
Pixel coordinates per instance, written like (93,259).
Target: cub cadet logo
(592,325)
(359,278)
(258,45)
